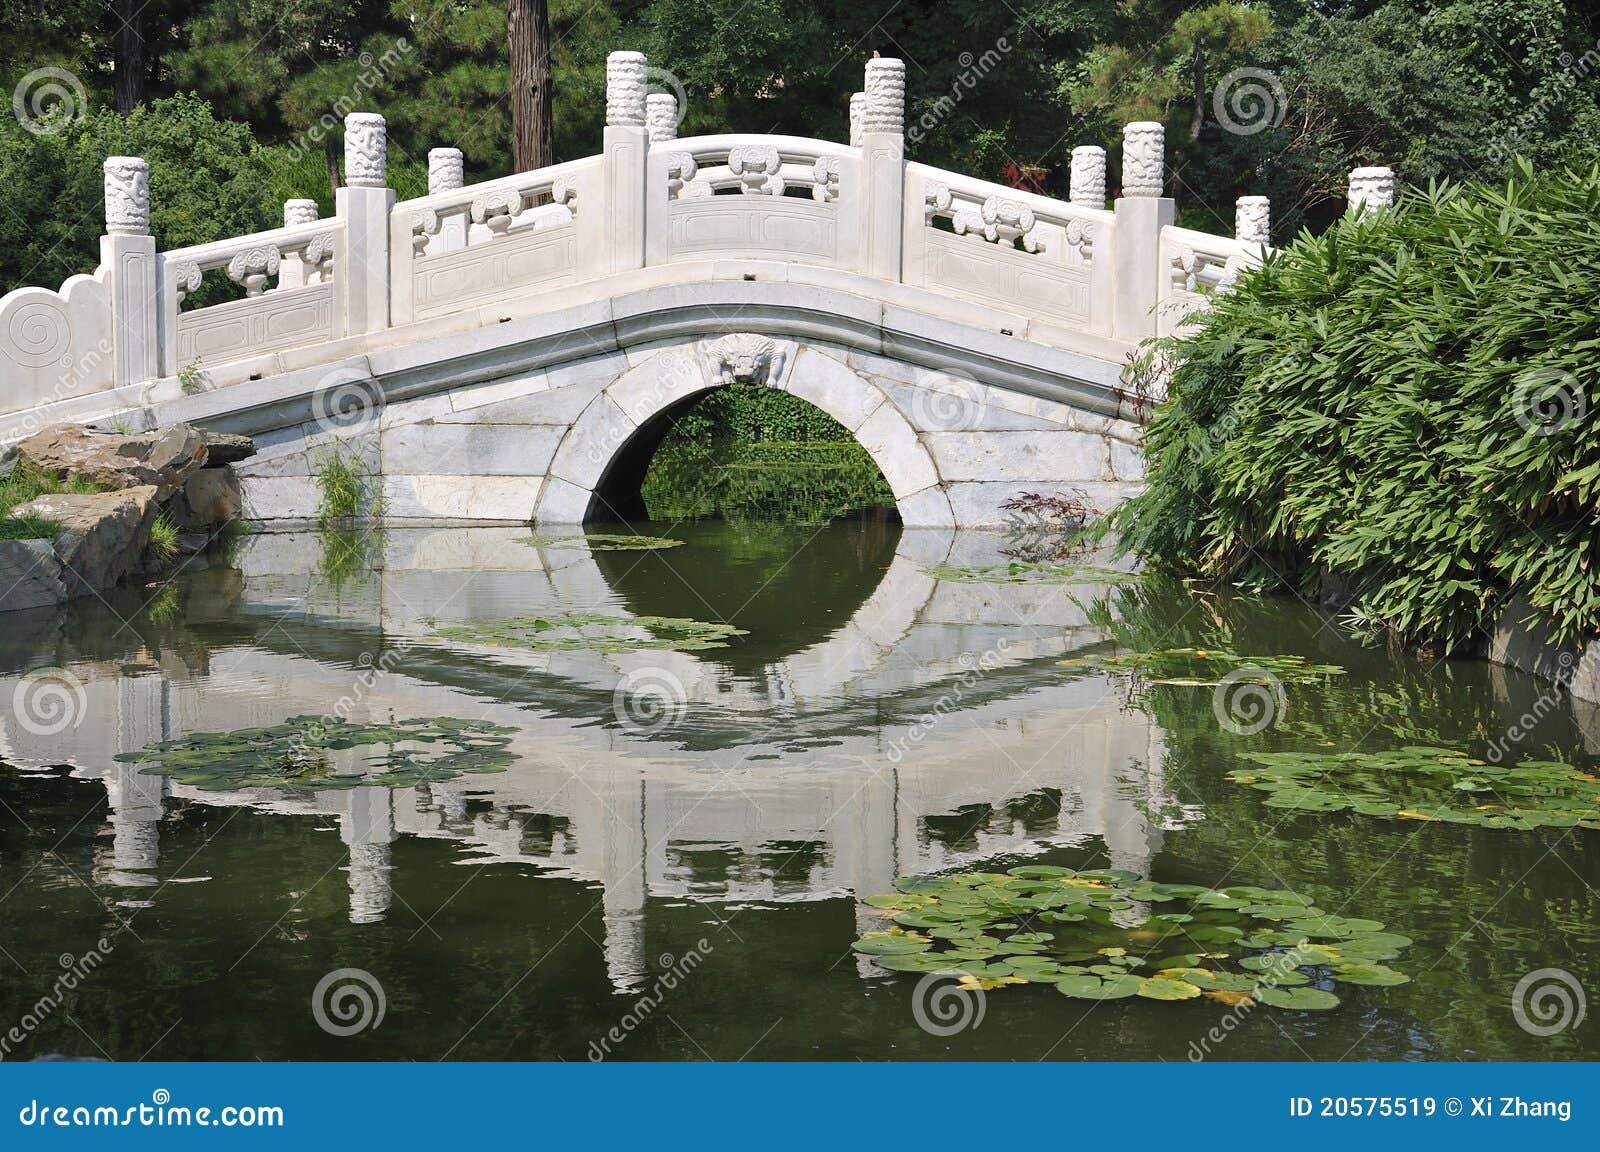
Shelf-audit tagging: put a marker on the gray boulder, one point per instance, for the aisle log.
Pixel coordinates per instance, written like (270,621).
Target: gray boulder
(226,448)
(166,457)
(30,575)
(100,539)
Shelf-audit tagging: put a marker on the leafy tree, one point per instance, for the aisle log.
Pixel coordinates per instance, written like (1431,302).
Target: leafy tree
(208,178)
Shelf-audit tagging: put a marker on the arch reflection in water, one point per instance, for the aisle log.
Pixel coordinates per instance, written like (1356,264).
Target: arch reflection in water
(876,721)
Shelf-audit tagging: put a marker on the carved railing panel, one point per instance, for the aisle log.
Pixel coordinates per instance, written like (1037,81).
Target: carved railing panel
(54,345)
(753,197)
(277,311)
(458,249)
(1194,265)
(1011,249)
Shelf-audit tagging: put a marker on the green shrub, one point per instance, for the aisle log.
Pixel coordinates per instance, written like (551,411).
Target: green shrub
(26,528)
(1411,400)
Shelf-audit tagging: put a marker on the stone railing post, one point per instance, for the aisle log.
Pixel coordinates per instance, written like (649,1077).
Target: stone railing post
(626,141)
(661,116)
(1142,211)
(1252,220)
(364,204)
(1088,187)
(1371,188)
(128,253)
(883,149)
(446,173)
(858,117)
(292,269)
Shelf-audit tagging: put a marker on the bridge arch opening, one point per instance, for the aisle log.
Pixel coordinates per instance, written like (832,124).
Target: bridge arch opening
(743,452)
(606,465)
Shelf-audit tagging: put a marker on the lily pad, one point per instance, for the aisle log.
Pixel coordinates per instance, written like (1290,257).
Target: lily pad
(317,752)
(1024,572)
(1303,999)
(594,632)
(1162,988)
(1089,987)
(602,542)
(1251,944)
(1431,785)
(1204,667)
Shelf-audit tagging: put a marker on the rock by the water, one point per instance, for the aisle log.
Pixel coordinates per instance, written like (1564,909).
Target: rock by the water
(166,457)
(226,448)
(211,496)
(30,575)
(100,539)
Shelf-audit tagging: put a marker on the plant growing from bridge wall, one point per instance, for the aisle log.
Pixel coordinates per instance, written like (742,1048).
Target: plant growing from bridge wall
(347,489)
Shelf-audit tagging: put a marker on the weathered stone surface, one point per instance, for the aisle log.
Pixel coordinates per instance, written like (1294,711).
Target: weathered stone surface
(1524,642)
(165,458)
(212,496)
(1024,456)
(226,448)
(101,538)
(30,575)
(469,449)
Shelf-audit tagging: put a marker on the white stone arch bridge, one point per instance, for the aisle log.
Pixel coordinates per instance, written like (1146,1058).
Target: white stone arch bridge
(494,350)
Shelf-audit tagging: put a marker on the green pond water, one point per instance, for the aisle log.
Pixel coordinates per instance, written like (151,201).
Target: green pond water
(647,847)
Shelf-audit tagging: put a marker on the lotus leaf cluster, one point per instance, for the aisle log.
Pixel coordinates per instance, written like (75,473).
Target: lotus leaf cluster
(1041,924)
(602,542)
(594,632)
(1025,572)
(318,752)
(1420,783)
(1205,667)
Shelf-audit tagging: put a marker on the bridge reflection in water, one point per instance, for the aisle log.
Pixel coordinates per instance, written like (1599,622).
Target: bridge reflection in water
(925,726)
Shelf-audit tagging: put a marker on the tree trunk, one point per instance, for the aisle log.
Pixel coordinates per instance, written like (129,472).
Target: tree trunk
(532,128)
(128,63)
(1197,68)
(330,151)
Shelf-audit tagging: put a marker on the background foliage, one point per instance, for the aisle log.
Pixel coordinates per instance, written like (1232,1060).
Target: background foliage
(1410,399)
(753,453)
(1440,88)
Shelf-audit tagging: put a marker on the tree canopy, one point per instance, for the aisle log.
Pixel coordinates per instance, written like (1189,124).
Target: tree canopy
(241,100)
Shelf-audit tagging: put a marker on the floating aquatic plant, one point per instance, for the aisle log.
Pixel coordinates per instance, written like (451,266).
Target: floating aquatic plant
(1205,667)
(1040,924)
(602,542)
(1024,572)
(1421,783)
(314,752)
(594,632)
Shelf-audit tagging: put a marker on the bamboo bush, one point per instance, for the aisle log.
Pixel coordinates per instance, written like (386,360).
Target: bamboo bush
(1410,400)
